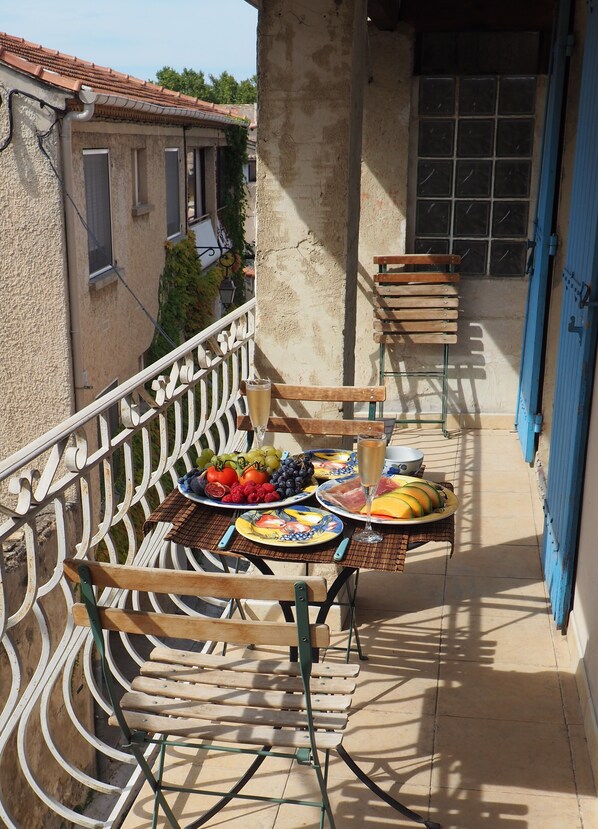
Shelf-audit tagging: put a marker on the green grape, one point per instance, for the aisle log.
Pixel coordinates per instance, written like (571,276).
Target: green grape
(272,462)
(204,458)
(268,450)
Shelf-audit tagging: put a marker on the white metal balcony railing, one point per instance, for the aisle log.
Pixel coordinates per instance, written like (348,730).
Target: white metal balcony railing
(83,489)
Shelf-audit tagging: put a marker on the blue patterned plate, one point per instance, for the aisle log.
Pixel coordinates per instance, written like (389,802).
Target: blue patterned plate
(330,464)
(290,527)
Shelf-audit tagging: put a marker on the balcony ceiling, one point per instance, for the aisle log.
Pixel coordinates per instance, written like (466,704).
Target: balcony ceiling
(464,15)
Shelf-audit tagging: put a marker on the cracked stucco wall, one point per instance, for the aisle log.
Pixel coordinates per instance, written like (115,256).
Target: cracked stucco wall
(307,188)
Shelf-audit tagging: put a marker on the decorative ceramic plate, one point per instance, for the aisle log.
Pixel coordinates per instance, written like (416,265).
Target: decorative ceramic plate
(289,527)
(332,463)
(449,507)
(213,502)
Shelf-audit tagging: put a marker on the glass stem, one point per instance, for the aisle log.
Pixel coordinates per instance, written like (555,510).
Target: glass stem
(260,433)
(369,496)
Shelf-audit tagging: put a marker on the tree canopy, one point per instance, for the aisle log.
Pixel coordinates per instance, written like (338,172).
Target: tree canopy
(224,89)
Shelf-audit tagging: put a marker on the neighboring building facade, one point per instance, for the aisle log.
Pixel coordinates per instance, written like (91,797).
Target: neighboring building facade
(98,171)
(467,127)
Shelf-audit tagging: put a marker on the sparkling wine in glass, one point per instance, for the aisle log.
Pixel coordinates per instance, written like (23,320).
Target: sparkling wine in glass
(371,449)
(258,401)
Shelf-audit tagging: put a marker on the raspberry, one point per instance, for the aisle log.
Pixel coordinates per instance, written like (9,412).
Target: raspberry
(253,499)
(269,497)
(268,487)
(236,498)
(226,499)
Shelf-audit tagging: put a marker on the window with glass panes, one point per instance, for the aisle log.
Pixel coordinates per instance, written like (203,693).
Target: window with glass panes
(196,184)
(96,173)
(474,165)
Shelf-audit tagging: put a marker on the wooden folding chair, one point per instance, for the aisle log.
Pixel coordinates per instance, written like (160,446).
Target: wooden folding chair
(414,308)
(350,427)
(261,707)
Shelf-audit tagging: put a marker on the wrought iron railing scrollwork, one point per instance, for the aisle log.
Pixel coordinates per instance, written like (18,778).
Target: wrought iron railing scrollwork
(84,489)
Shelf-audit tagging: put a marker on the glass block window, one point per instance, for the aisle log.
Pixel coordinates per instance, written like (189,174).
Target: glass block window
(473,181)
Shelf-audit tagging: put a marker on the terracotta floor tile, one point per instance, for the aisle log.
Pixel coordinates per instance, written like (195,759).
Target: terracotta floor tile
(406,592)
(389,749)
(214,776)
(431,559)
(490,530)
(504,560)
(353,805)
(502,755)
(497,595)
(470,809)
(503,691)
(496,638)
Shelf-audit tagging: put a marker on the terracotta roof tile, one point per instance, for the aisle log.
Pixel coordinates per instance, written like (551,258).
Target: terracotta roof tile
(71,73)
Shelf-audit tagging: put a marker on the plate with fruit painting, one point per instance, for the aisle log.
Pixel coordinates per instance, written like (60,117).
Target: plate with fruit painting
(289,527)
(332,463)
(399,499)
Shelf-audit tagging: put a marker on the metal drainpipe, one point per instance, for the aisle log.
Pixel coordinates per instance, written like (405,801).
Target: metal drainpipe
(87,98)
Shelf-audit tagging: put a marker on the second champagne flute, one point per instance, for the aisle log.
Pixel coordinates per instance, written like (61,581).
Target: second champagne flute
(371,449)
(258,393)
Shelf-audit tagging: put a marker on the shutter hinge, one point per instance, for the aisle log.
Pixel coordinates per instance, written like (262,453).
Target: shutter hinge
(538,423)
(553,242)
(569,44)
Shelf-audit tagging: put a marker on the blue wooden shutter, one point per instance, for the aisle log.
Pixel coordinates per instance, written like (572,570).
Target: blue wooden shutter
(576,358)
(528,418)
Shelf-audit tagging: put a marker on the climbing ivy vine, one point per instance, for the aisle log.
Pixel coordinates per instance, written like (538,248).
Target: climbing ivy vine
(186,296)
(232,213)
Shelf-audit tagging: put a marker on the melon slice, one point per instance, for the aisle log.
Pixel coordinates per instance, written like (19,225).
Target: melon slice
(421,495)
(390,506)
(433,493)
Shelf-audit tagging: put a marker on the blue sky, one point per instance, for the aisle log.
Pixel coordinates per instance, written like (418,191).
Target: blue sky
(142,36)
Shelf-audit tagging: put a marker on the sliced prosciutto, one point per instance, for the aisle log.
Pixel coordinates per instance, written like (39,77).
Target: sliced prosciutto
(349,494)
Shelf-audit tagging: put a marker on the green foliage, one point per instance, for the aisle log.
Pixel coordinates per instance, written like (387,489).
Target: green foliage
(186,296)
(232,213)
(224,89)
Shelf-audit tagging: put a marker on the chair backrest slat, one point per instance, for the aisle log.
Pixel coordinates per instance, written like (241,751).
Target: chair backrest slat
(216,585)
(178,626)
(418,259)
(340,394)
(314,426)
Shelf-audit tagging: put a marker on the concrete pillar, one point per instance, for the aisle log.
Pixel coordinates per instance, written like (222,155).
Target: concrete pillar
(384,174)
(311,57)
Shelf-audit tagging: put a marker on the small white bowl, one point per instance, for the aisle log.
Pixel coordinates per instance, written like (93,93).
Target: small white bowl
(402,460)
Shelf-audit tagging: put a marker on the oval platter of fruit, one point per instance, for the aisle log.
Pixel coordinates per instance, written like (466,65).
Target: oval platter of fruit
(399,499)
(259,478)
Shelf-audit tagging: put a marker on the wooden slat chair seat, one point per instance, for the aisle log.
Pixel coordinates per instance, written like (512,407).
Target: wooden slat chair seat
(372,395)
(417,308)
(183,695)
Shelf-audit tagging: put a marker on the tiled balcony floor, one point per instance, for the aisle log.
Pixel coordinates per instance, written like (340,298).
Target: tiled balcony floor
(466,709)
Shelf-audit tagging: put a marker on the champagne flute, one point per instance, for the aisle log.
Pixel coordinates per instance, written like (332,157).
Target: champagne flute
(258,401)
(371,449)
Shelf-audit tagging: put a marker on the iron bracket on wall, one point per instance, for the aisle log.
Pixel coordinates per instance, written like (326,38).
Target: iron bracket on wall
(553,243)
